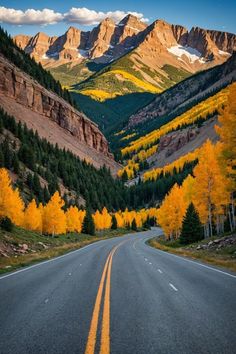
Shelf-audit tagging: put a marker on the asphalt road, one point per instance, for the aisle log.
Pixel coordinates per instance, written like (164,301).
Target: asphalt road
(118,296)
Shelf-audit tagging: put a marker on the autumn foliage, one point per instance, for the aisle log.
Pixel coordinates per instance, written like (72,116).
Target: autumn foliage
(212,187)
(52,219)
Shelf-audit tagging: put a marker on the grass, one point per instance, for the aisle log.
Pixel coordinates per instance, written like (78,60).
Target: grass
(225,257)
(55,246)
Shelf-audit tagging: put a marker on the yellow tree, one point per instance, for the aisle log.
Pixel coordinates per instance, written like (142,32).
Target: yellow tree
(74,219)
(119,219)
(33,217)
(11,204)
(97,217)
(227,154)
(106,219)
(54,219)
(171,213)
(210,189)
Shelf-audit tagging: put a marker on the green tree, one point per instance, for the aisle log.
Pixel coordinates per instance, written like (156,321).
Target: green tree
(88,226)
(191,227)
(134,225)
(113,222)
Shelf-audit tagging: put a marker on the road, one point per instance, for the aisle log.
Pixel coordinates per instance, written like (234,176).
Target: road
(118,296)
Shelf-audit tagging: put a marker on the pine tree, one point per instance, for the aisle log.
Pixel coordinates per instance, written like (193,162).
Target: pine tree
(15,164)
(88,224)
(134,225)
(191,227)
(113,222)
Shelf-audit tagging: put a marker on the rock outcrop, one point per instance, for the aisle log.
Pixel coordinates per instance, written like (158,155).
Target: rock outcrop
(45,106)
(172,142)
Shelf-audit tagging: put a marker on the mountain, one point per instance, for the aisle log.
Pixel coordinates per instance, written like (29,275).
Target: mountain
(127,57)
(42,109)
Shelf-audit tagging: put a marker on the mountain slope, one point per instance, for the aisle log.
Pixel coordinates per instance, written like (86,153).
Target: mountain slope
(44,111)
(160,126)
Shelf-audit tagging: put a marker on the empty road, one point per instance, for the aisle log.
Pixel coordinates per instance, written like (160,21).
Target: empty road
(118,296)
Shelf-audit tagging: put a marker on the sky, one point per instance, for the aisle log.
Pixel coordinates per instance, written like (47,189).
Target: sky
(54,17)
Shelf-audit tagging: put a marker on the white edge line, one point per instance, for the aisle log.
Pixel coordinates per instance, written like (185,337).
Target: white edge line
(173,287)
(194,262)
(48,261)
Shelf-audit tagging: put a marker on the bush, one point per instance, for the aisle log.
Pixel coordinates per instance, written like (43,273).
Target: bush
(6,224)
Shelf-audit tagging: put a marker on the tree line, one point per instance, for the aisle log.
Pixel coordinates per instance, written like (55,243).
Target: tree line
(54,218)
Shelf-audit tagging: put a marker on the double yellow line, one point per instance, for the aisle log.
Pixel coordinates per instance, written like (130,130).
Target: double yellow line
(105,333)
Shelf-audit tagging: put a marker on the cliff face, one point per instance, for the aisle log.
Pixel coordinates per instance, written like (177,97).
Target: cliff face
(17,85)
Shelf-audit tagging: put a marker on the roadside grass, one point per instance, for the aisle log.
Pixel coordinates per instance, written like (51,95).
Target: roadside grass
(41,247)
(225,257)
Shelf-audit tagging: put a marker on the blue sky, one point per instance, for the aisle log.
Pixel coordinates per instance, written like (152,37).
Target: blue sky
(84,14)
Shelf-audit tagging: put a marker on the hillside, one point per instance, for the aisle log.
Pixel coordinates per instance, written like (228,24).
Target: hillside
(45,111)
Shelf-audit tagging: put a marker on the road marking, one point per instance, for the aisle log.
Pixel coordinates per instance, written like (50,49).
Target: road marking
(150,263)
(90,346)
(46,301)
(173,287)
(196,263)
(105,333)
(160,271)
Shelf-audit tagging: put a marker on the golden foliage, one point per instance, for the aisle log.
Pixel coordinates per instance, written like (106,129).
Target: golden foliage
(11,204)
(202,109)
(33,217)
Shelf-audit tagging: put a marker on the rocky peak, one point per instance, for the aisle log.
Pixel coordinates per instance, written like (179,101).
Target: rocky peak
(22,41)
(39,45)
(224,41)
(100,38)
(128,27)
(199,39)
(180,33)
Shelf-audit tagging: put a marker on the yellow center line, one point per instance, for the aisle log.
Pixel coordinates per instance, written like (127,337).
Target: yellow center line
(90,347)
(105,335)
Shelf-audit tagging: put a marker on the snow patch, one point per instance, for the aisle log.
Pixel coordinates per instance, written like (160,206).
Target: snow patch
(191,53)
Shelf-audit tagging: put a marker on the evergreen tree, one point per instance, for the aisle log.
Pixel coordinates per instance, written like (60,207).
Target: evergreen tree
(191,227)
(88,224)
(134,225)
(113,222)
(15,164)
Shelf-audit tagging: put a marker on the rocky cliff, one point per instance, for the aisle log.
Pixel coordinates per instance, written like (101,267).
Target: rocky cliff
(45,111)
(24,90)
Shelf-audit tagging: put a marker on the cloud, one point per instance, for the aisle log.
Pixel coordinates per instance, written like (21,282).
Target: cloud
(82,16)
(29,17)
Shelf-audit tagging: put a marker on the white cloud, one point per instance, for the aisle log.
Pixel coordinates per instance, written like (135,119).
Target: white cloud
(29,17)
(82,16)
(87,17)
